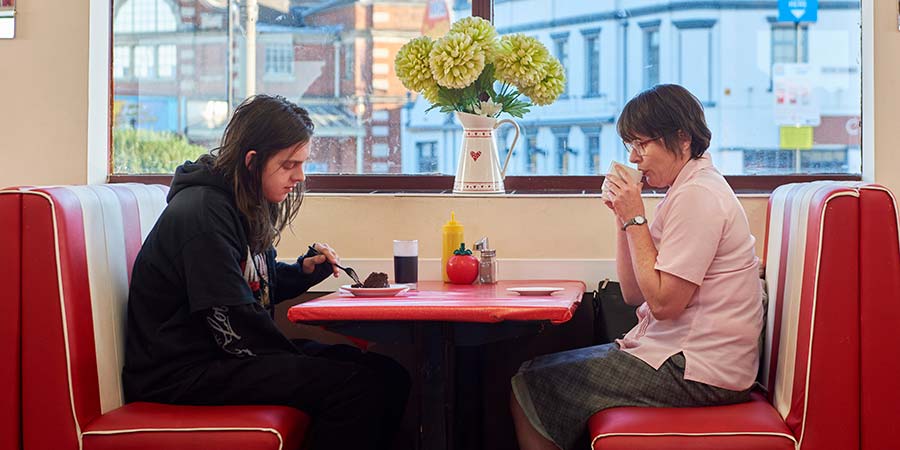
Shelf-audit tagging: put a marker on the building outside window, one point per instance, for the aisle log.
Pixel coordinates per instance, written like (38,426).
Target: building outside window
(166,61)
(145,16)
(179,69)
(348,61)
(592,145)
(122,62)
(533,154)
(561,51)
(695,39)
(145,61)
(784,44)
(592,63)
(651,55)
(427,156)
(767,162)
(279,59)
(563,155)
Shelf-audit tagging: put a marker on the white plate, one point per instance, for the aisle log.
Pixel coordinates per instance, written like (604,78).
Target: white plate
(535,290)
(376,292)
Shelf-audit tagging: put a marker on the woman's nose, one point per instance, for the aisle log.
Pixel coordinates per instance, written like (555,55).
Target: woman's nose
(633,156)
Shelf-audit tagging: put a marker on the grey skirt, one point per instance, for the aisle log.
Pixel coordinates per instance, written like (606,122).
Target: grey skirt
(561,391)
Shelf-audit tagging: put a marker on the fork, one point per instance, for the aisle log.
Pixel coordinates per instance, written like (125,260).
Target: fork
(348,270)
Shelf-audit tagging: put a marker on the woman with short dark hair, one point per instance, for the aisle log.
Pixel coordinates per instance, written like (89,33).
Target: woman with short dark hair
(203,288)
(692,272)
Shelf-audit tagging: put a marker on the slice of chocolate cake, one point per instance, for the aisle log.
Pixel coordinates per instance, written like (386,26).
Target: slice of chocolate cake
(376,280)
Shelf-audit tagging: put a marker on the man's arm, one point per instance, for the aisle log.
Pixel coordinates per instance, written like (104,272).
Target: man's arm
(245,331)
(292,281)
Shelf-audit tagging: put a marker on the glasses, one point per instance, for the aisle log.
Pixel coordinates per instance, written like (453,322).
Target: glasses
(639,146)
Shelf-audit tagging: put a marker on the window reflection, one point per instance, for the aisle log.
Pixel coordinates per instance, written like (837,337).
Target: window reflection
(179,67)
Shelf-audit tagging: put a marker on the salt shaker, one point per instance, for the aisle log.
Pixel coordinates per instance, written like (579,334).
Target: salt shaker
(487,267)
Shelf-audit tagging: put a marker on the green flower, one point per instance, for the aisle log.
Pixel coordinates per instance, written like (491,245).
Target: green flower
(411,64)
(456,60)
(522,60)
(482,33)
(431,93)
(550,87)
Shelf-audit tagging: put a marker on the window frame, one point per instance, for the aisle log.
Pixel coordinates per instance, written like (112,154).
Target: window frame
(561,52)
(648,30)
(523,184)
(592,55)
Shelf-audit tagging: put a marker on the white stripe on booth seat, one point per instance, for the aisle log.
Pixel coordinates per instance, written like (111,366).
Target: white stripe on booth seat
(790,311)
(773,257)
(150,204)
(106,238)
(785,286)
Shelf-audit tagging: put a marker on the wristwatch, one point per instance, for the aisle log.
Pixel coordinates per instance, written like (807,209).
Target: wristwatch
(636,220)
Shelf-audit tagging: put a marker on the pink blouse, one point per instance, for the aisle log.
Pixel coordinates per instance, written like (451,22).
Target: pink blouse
(702,235)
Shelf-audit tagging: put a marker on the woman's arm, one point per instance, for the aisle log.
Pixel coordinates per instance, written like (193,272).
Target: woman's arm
(631,292)
(665,294)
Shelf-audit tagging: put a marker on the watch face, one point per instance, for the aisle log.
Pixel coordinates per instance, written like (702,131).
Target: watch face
(640,220)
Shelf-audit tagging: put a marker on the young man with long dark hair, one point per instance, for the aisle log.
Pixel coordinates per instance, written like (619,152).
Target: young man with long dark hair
(200,328)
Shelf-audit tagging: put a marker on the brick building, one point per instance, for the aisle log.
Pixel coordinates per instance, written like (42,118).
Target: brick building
(173,70)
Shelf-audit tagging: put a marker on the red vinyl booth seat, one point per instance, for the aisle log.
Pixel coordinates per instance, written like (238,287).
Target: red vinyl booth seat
(832,259)
(67,254)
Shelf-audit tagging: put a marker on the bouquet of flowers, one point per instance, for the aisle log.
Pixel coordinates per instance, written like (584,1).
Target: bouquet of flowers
(471,70)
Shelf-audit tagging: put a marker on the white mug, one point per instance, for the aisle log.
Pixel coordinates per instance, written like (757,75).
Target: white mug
(630,172)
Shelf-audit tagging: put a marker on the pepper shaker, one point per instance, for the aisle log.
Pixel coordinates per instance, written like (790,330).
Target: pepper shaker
(487,267)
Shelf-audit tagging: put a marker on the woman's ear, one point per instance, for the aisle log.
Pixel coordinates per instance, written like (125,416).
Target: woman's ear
(685,140)
(248,158)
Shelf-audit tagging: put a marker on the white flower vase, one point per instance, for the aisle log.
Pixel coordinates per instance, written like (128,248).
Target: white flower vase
(479,170)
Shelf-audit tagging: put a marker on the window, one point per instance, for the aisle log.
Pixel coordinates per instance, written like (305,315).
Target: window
(349,61)
(534,154)
(122,62)
(593,153)
(695,56)
(789,44)
(180,68)
(145,61)
(426,152)
(561,51)
(144,16)
(651,53)
(564,155)
(592,63)
(166,58)
(279,60)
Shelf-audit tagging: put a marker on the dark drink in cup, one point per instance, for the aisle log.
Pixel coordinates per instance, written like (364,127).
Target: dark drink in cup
(406,262)
(406,269)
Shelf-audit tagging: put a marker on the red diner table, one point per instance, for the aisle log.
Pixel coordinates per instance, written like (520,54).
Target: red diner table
(446,322)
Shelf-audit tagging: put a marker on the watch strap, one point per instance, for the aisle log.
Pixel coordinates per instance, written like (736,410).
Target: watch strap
(634,221)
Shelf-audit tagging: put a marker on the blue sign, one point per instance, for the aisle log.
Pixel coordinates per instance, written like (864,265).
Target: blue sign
(798,10)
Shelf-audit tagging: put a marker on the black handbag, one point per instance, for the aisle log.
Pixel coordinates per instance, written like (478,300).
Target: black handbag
(612,316)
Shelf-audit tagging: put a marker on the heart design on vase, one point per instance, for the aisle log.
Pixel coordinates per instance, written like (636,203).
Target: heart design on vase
(475,155)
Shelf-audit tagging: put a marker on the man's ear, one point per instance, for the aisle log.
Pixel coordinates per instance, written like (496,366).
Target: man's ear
(248,158)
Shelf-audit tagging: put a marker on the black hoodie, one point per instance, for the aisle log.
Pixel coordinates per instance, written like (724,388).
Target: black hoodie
(189,304)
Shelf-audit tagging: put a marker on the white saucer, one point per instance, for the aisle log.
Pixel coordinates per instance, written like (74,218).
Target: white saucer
(535,290)
(376,292)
